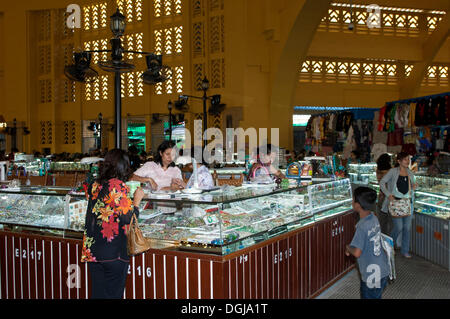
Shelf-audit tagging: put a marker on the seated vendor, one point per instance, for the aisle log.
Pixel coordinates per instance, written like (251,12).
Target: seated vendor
(263,169)
(161,173)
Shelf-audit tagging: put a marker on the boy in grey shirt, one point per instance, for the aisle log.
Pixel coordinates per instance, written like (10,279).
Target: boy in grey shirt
(366,246)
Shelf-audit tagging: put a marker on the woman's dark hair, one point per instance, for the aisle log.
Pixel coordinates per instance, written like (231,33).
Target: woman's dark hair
(356,153)
(400,156)
(161,149)
(366,197)
(115,165)
(384,162)
(430,159)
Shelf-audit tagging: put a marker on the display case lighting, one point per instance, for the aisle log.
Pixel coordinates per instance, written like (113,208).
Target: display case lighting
(433,205)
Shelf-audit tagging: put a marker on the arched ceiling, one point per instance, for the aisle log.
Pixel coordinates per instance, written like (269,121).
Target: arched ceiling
(304,40)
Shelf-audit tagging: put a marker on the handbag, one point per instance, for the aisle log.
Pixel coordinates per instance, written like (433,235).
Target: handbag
(400,207)
(136,242)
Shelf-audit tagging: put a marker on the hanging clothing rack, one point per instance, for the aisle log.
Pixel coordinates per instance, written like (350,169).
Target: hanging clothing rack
(357,112)
(415,99)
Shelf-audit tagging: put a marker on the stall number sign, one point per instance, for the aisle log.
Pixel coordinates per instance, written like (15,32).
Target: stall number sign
(336,230)
(279,257)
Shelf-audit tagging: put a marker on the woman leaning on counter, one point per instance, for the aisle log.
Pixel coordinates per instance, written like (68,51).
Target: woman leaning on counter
(162,173)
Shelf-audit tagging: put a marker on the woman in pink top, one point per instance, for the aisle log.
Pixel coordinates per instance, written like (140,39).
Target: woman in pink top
(162,173)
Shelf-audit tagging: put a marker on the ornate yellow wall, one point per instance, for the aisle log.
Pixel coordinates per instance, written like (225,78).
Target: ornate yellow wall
(263,56)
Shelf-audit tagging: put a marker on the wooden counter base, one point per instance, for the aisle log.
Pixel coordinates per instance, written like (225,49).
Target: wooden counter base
(298,264)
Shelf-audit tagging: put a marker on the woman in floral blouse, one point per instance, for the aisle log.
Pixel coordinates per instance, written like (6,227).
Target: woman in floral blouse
(109,211)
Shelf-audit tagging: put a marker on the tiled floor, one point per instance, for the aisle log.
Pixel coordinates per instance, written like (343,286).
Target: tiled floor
(417,278)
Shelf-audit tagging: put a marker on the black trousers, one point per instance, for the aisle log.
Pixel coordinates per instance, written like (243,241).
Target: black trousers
(108,279)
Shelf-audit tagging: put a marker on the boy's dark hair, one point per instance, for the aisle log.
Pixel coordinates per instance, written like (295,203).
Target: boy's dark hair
(365,196)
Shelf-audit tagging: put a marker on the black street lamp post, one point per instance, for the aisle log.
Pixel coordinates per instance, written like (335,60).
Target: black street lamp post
(205,87)
(100,130)
(80,71)
(215,100)
(169,106)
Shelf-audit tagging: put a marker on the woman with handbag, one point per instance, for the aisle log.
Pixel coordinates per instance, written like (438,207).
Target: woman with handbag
(398,186)
(105,240)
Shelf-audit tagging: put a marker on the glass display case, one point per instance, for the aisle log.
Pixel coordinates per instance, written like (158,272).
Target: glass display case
(329,199)
(69,166)
(431,223)
(34,167)
(219,221)
(322,167)
(363,173)
(432,196)
(40,209)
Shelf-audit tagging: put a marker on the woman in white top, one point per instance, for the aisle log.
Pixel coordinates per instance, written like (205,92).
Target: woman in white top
(162,173)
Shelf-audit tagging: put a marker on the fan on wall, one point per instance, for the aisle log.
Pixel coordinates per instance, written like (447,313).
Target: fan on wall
(216,107)
(156,71)
(81,71)
(181,104)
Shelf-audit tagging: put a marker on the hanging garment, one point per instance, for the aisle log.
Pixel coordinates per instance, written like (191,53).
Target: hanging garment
(447,109)
(381,119)
(322,127)
(377,150)
(401,116)
(394,149)
(434,110)
(441,112)
(420,113)
(331,122)
(428,114)
(339,124)
(348,118)
(411,114)
(392,118)
(409,148)
(447,141)
(395,138)
(387,117)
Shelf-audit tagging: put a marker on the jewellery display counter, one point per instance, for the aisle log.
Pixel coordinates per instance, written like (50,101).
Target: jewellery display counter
(430,228)
(69,166)
(253,241)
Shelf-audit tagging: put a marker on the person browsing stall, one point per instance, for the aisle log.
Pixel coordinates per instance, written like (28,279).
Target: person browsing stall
(104,240)
(398,187)
(263,168)
(162,173)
